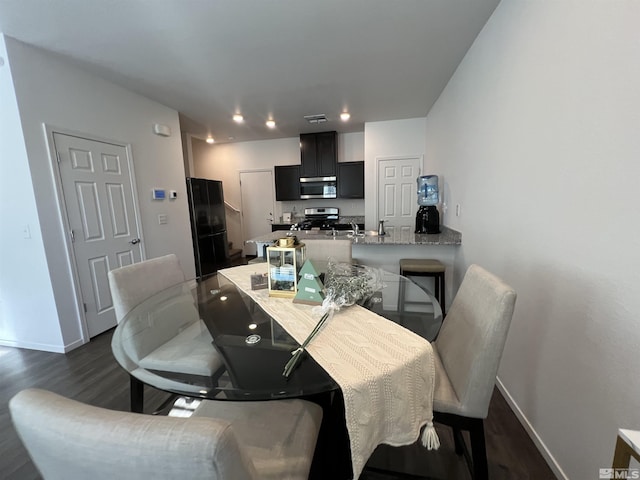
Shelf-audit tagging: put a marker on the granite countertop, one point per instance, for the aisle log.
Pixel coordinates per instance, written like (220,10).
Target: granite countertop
(342,219)
(447,236)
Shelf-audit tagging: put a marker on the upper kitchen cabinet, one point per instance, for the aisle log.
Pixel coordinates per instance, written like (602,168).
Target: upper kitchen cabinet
(351,180)
(318,154)
(287,179)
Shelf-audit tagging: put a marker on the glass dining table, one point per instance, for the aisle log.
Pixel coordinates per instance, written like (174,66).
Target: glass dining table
(213,341)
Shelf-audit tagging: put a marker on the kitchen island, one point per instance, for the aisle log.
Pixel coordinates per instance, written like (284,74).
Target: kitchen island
(385,251)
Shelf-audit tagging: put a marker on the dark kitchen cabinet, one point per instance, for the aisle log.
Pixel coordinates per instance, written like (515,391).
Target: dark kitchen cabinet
(287,182)
(351,180)
(318,154)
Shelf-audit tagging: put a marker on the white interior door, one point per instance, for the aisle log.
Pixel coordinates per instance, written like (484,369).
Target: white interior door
(397,197)
(258,202)
(98,197)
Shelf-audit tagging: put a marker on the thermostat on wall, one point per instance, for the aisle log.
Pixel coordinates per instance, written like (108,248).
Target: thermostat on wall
(159,194)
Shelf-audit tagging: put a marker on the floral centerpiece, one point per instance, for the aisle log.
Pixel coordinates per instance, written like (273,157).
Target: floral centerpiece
(345,284)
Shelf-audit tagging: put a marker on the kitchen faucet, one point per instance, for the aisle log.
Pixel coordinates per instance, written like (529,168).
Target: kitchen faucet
(355,228)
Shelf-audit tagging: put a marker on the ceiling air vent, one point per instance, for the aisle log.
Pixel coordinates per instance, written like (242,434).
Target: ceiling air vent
(319,118)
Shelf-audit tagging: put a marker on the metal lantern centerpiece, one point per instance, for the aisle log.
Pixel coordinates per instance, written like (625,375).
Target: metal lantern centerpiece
(284,261)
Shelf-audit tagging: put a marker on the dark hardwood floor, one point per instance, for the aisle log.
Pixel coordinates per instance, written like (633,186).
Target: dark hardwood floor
(90,374)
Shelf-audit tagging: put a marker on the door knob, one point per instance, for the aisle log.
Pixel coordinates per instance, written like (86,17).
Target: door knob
(134,241)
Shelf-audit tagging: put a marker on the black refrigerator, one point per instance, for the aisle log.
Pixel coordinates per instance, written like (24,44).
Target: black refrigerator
(208,225)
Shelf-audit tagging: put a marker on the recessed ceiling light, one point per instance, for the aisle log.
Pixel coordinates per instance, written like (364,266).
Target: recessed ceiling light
(271,124)
(345,116)
(210,139)
(238,118)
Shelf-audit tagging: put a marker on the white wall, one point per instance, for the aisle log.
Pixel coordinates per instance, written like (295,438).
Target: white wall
(395,138)
(25,287)
(50,91)
(536,137)
(225,161)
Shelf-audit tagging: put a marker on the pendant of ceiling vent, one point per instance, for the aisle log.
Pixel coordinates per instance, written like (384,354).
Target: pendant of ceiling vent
(319,118)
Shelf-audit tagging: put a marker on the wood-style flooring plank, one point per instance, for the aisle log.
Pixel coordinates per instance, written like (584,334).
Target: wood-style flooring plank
(89,374)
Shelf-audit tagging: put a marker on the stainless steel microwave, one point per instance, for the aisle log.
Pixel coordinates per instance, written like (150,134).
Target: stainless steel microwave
(318,187)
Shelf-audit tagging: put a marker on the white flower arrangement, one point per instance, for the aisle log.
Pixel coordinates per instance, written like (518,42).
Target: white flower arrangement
(345,284)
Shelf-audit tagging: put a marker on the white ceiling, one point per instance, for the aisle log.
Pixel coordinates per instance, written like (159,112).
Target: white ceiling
(207,59)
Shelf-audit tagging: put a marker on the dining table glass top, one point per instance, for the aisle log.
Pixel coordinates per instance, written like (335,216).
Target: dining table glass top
(209,340)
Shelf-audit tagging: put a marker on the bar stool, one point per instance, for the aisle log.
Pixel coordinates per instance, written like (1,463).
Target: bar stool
(426,267)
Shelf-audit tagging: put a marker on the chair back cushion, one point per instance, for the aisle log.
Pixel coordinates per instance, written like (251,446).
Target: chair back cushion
(70,440)
(472,338)
(132,284)
(163,321)
(338,249)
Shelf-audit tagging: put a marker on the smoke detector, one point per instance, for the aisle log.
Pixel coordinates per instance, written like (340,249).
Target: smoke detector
(319,118)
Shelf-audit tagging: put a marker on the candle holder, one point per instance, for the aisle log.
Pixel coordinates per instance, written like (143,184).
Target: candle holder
(284,263)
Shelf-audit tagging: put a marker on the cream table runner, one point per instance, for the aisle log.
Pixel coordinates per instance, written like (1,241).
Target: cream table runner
(386,372)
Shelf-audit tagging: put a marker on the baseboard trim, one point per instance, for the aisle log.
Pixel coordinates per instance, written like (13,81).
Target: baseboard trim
(43,347)
(540,445)
(73,345)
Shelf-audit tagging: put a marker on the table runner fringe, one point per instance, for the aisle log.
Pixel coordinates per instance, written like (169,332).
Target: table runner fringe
(429,438)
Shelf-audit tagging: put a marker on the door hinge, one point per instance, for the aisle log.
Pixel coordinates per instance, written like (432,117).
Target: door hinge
(85,307)
(73,236)
(58,156)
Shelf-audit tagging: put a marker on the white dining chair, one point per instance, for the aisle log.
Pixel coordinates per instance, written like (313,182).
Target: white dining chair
(132,284)
(322,250)
(70,440)
(467,353)
(175,340)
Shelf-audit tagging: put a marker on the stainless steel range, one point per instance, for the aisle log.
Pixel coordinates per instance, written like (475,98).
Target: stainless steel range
(319,218)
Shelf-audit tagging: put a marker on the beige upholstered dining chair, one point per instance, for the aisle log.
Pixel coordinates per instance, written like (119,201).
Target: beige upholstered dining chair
(176,340)
(132,284)
(321,250)
(467,354)
(70,440)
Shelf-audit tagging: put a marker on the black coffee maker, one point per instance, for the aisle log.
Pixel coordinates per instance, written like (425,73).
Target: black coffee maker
(428,217)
